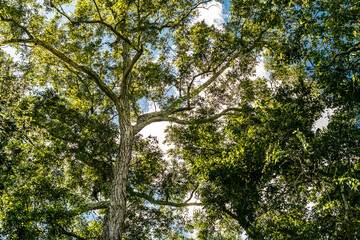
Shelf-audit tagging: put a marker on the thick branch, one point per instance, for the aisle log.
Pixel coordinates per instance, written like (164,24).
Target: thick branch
(91,73)
(125,81)
(10,41)
(161,202)
(96,206)
(148,118)
(105,204)
(191,121)
(71,234)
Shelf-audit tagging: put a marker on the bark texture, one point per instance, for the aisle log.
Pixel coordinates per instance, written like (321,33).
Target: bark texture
(114,220)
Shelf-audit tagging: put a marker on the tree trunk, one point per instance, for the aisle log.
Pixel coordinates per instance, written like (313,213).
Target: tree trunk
(114,219)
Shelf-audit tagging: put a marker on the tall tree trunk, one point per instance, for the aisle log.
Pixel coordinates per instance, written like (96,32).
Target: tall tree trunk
(114,219)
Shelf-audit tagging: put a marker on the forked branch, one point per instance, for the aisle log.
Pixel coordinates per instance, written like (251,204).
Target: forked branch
(165,115)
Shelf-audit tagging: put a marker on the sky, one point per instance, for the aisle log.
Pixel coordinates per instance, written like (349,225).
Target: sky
(11,51)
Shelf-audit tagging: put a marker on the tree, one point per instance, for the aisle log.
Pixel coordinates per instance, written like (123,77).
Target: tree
(91,70)
(93,61)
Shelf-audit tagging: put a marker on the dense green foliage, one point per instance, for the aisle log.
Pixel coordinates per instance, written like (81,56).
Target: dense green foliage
(247,148)
(268,169)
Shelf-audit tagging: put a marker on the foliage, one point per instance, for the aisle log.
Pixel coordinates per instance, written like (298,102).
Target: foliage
(268,169)
(74,164)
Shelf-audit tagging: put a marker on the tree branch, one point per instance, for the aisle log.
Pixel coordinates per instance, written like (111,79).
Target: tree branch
(350,50)
(125,81)
(192,194)
(161,202)
(98,11)
(172,24)
(109,5)
(192,121)
(91,73)
(205,84)
(71,234)
(96,206)
(106,204)
(148,118)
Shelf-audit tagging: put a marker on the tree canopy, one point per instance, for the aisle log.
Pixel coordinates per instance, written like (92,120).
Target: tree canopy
(93,73)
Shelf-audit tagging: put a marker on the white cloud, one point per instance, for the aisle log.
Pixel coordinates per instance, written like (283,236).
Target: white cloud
(12,52)
(260,70)
(157,130)
(324,120)
(212,14)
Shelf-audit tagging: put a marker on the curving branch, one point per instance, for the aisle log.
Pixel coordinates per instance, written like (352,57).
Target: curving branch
(206,84)
(17,25)
(147,118)
(192,194)
(354,48)
(71,234)
(163,118)
(125,80)
(161,202)
(171,23)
